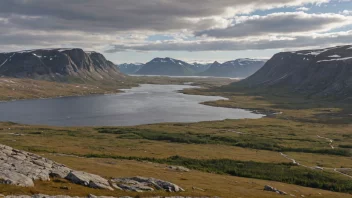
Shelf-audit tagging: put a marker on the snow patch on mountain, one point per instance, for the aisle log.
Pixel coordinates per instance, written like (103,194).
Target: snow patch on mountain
(334,56)
(336,59)
(34,54)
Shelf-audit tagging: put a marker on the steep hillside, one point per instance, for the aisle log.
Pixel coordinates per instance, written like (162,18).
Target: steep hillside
(57,64)
(240,68)
(323,72)
(166,66)
(130,68)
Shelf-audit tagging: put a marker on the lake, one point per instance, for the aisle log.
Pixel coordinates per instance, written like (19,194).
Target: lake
(136,75)
(146,104)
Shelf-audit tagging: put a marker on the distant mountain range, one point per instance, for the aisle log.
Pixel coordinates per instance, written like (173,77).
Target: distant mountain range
(57,64)
(130,68)
(239,68)
(72,63)
(200,67)
(166,66)
(322,72)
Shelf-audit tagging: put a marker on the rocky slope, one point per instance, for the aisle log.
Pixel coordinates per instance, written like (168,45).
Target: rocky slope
(322,72)
(166,66)
(89,196)
(22,169)
(130,68)
(240,68)
(57,64)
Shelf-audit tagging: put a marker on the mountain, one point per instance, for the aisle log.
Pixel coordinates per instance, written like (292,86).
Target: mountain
(240,68)
(57,64)
(133,68)
(173,67)
(322,72)
(199,67)
(130,68)
(166,66)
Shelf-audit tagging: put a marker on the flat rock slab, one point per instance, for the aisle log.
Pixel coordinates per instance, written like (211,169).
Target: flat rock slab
(89,180)
(91,196)
(142,184)
(22,169)
(178,168)
(272,189)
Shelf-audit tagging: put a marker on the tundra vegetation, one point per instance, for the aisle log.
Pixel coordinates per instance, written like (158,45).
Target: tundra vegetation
(302,147)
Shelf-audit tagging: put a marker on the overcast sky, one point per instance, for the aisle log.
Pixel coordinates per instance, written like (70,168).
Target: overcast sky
(191,30)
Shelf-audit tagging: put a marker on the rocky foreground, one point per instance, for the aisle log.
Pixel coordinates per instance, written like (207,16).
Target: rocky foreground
(22,169)
(90,196)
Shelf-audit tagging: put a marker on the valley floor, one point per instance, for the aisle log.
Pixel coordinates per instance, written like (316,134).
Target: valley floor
(301,147)
(19,88)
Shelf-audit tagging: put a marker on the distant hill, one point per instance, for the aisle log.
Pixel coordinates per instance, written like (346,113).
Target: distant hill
(321,72)
(240,68)
(166,66)
(130,68)
(133,68)
(57,64)
(172,67)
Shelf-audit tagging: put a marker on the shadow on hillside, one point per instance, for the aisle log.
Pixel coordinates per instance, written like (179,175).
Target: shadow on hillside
(328,110)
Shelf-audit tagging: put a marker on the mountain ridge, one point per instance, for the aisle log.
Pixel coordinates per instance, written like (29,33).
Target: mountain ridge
(318,72)
(239,68)
(173,67)
(57,64)
(166,66)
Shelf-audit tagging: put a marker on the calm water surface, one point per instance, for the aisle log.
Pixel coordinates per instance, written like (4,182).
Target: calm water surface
(140,105)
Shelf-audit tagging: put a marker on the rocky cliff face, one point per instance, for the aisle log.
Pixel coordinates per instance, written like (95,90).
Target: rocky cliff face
(323,72)
(57,64)
(240,68)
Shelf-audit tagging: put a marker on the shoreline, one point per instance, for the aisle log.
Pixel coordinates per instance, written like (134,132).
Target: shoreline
(180,91)
(63,96)
(197,77)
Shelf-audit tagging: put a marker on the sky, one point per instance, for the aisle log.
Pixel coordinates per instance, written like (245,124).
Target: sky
(130,31)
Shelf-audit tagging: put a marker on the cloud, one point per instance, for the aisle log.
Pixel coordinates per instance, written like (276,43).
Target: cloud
(93,24)
(319,40)
(346,12)
(279,23)
(302,9)
(122,15)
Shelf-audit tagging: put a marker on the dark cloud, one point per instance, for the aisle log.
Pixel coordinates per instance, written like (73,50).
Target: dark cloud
(279,23)
(38,39)
(124,15)
(95,23)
